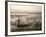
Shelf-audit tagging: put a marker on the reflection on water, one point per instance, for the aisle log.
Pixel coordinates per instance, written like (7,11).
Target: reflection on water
(30,22)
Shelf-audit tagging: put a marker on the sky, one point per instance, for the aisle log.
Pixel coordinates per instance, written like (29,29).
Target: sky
(22,8)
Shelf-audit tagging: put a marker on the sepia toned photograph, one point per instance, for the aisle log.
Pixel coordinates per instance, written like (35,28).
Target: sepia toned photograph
(25,18)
